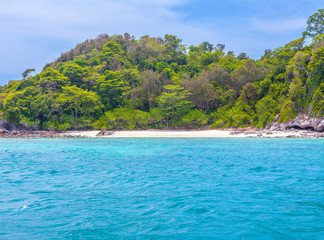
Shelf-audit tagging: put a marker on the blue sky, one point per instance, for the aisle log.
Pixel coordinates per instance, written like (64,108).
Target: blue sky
(36,32)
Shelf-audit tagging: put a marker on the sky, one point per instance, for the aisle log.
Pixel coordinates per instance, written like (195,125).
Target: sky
(36,32)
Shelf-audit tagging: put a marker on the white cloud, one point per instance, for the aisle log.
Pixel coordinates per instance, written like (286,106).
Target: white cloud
(279,26)
(68,17)
(34,32)
(31,29)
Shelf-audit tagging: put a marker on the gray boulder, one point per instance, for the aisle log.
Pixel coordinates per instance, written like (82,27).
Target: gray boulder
(302,121)
(6,126)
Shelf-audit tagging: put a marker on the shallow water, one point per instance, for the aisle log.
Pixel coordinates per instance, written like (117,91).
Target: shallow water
(161,188)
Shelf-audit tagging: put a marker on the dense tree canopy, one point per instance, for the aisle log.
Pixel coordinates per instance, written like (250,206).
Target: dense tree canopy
(119,82)
(315,24)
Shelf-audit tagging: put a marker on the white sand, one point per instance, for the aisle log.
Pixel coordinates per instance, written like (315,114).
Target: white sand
(189,134)
(174,134)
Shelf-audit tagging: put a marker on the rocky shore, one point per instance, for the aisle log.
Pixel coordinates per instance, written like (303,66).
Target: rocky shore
(30,134)
(302,122)
(7,130)
(266,133)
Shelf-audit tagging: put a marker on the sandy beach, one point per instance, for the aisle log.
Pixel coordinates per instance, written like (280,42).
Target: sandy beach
(195,134)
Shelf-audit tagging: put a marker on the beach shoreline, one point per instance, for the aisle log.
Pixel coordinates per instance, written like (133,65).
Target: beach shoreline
(226,133)
(158,133)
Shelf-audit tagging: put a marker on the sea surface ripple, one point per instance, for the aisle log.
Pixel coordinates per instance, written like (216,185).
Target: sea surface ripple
(162,188)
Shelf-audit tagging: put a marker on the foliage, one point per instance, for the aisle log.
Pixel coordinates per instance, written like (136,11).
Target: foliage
(119,82)
(51,80)
(288,111)
(173,102)
(194,118)
(315,24)
(318,102)
(27,72)
(250,93)
(78,101)
(123,118)
(111,87)
(266,110)
(240,115)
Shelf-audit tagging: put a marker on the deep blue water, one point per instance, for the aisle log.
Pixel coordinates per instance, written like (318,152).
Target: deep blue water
(162,189)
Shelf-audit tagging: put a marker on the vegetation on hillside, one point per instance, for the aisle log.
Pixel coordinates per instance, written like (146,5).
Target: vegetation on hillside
(119,82)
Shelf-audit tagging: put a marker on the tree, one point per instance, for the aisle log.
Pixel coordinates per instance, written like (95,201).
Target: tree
(203,94)
(315,24)
(316,66)
(206,46)
(299,63)
(175,50)
(266,109)
(250,93)
(51,80)
(173,44)
(220,46)
(242,56)
(195,118)
(17,106)
(318,102)
(151,85)
(123,118)
(78,101)
(111,88)
(74,72)
(288,111)
(27,72)
(173,102)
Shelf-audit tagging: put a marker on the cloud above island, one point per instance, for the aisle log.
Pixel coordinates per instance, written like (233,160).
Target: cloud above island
(35,32)
(279,26)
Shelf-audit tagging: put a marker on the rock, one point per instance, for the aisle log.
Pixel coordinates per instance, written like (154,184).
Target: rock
(4,125)
(28,134)
(249,132)
(277,118)
(276,126)
(302,121)
(320,126)
(101,133)
(291,136)
(235,133)
(104,133)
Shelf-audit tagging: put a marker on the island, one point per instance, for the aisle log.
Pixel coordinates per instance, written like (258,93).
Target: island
(118,82)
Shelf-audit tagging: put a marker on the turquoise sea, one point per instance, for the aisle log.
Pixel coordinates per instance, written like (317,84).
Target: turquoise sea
(162,188)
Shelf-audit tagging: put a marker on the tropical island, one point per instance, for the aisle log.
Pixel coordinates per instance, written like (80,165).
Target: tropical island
(122,83)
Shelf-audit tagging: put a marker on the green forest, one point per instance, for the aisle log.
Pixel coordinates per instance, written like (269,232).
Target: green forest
(120,82)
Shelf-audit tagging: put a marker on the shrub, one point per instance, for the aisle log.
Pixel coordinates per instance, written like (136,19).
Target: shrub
(288,111)
(266,109)
(123,118)
(195,118)
(317,103)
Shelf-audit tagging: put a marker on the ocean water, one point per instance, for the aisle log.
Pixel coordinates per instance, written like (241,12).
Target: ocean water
(162,189)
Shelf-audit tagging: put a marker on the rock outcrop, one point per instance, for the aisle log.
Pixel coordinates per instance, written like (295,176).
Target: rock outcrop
(5,126)
(302,121)
(104,133)
(7,130)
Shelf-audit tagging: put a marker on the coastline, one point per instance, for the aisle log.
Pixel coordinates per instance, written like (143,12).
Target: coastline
(237,133)
(219,133)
